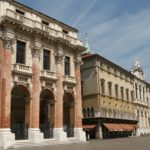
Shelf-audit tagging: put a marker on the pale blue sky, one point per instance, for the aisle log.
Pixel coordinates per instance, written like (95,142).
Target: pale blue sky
(117,29)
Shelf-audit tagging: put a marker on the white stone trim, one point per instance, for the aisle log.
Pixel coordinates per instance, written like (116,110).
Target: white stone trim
(80,134)
(60,134)
(35,136)
(7,138)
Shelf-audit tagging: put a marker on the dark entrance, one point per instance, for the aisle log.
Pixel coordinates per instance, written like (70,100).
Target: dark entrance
(20,112)
(68,114)
(47,113)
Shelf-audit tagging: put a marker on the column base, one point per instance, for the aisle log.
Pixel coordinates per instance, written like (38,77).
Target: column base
(35,135)
(80,134)
(60,135)
(7,138)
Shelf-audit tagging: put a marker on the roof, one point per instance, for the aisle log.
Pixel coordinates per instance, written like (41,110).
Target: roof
(91,56)
(42,14)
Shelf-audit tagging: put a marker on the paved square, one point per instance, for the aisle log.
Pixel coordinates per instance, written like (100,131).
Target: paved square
(132,143)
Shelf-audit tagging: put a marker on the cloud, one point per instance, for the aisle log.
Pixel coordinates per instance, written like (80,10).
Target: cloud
(84,13)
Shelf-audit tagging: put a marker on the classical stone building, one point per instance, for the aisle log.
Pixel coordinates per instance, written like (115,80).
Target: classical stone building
(40,88)
(110,108)
(141,99)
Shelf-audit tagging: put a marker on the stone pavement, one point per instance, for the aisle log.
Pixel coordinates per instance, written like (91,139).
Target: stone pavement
(132,143)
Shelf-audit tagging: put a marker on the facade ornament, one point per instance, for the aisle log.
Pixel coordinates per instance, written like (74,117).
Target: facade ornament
(8,43)
(78,61)
(59,55)
(36,51)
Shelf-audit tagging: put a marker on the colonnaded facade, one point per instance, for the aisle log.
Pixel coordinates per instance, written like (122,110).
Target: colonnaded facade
(115,101)
(40,88)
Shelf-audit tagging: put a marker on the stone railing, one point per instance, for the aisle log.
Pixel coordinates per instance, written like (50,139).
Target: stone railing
(48,74)
(21,68)
(104,113)
(69,78)
(35,24)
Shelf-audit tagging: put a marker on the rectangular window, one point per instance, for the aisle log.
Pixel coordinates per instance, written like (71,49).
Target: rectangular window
(20,54)
(110,88)
(45,23)
(103,86)
(127,94)
(132,96)
(19,12)
(116,90)
(67,65)
(46,59)
(65,31)
(122,92)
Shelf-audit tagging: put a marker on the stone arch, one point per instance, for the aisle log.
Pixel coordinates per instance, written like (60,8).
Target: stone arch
(20,111)
(47,112)
(68,113)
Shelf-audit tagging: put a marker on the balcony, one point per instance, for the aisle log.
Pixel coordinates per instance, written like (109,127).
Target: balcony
(27,22)
(69,79)
(22,69)
(47,74)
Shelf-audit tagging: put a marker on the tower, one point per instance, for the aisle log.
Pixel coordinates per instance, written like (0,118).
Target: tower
(137,69)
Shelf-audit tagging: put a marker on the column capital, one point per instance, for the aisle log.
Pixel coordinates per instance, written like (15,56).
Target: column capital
(36,51)
(8,43)
(59,55)
(78,61)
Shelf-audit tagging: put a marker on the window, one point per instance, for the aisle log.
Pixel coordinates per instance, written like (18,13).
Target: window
(102,86)
(143,93)
(127,94)
(136,90)
(132,96)
(20,58)
(116,90)
(122,92)
(45,23)
(92,112)
(46,59)
(19,12)
(110,88)
(65,31)
(140,91)
(67,65)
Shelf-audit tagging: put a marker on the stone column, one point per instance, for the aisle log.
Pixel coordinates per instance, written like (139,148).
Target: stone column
(34,133)
(6,137)
(99,133)
(79,133)
(59,133)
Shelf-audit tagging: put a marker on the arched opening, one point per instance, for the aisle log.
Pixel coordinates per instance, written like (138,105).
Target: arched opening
(47,113)
(20,111)
(68,114)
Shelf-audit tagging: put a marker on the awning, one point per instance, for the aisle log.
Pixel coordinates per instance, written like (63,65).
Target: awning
(89,126)
(128,127)
(119,127)
(113,126)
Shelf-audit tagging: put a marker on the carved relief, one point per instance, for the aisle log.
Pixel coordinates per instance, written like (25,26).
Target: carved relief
(8,43)
(78,61)
(36,51)
(59,55)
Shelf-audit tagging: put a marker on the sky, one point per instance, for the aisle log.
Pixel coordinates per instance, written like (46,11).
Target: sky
(118,30)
